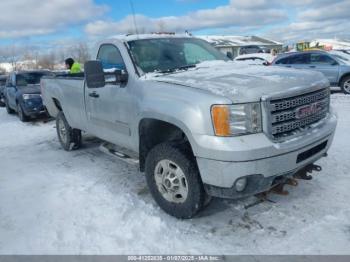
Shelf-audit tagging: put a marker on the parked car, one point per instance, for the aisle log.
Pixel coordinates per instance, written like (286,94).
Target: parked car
(256,59)
(253,49)
(335,68)
(2,87)
(22,94)
(199,125)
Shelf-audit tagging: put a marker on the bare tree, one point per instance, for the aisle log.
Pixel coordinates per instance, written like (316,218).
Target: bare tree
(47,61)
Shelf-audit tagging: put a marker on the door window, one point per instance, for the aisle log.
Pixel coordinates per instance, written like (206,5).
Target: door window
(110,57)
(320,59)
(300,59)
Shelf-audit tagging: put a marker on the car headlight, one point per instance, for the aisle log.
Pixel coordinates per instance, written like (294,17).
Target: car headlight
(237,120)
(30,96)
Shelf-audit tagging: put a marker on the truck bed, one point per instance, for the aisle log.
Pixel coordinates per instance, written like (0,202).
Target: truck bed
(65,91)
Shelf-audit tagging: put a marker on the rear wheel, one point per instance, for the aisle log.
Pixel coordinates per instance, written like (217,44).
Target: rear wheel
(345,85)
(70,138)
(9,110)
(174,181)
(22,116)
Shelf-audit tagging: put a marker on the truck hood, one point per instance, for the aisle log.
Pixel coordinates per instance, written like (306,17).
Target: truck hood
(242,83)
(30,89)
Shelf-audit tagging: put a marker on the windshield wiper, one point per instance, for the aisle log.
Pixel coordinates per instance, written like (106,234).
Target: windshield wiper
(172,70)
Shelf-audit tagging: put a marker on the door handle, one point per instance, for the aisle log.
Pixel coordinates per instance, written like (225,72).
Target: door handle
(94,95)
(312,66)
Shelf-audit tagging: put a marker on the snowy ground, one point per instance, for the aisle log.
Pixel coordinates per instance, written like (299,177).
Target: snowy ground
(85,202)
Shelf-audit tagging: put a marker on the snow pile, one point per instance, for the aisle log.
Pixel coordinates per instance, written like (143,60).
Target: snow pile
(86,202)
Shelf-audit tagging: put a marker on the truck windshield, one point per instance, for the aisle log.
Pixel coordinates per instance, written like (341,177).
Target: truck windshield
(171,54)
(25,79)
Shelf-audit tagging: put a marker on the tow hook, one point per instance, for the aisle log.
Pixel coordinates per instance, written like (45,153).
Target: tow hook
(279,190)
(303,174)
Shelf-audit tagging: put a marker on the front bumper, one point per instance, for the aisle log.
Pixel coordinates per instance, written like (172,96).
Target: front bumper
(222,161)
(33,107)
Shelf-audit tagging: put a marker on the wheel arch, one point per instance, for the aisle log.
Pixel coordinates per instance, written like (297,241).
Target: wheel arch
(154,131)
(343,77)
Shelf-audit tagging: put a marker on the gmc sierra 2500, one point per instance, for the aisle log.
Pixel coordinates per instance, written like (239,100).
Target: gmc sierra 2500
(199,124)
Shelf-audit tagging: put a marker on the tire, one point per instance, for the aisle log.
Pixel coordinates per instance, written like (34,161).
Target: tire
(70,139)
(22,116)
(2,104)
(9,110)
(345,85)
(171,171)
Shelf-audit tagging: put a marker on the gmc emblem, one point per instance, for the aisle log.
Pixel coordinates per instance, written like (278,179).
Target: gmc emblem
(308,110)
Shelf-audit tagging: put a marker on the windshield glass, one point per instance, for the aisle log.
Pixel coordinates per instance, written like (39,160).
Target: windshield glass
(169,54)
(25,79)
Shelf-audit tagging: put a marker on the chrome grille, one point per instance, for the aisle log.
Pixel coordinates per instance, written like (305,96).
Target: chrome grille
(284,118)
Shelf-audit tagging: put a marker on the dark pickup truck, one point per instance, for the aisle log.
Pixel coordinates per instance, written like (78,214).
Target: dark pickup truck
(22,94)
(2,87)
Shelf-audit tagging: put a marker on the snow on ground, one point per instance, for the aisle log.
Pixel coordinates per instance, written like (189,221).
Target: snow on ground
(86,202)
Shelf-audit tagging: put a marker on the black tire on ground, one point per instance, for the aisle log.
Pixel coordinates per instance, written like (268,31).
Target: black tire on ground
(345,85)
(70,139)
(22,116)
(181,155)
(9,110)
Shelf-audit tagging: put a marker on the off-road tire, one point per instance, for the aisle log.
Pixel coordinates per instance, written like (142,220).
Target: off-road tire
(72,140)
(181,155)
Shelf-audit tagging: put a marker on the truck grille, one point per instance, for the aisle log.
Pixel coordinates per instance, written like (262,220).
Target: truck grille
(288,115)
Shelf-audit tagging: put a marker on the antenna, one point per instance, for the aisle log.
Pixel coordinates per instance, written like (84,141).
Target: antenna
(134,16)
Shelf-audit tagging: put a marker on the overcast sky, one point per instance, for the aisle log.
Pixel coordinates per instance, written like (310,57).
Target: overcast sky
(57,21)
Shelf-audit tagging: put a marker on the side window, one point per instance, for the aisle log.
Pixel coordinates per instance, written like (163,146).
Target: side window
(110,57)
(320,59)
(283,61)
(300,59)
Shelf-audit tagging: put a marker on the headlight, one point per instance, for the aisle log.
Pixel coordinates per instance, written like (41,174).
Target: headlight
(236,120)
(30,96)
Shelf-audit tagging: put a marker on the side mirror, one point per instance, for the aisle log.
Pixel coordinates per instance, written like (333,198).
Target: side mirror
(94,74)
(121,76)
(229,55)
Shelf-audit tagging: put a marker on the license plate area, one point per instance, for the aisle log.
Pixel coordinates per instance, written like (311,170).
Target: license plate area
(311,152)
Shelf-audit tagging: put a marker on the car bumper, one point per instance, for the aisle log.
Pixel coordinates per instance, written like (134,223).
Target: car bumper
(33,107)
(222,161)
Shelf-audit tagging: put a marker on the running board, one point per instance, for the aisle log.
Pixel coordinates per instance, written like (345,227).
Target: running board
(115,151)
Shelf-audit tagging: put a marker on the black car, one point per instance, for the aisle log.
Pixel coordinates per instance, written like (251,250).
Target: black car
(23,95)
(2,87)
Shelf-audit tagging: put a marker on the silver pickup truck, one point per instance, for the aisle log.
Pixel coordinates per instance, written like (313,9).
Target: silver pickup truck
(199,124)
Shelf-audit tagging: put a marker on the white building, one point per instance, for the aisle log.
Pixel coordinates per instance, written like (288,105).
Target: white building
(233,43)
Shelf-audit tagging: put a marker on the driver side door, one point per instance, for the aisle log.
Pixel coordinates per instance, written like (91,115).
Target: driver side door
(11,91)
(110,108)
(326,65)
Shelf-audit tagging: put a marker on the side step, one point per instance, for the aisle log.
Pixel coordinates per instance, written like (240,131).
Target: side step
(119,153)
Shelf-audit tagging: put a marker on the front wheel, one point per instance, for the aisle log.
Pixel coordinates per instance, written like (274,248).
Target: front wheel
(173,178)
(2,102)
(345,85)
(70,139)
(22,116)
(9,110)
